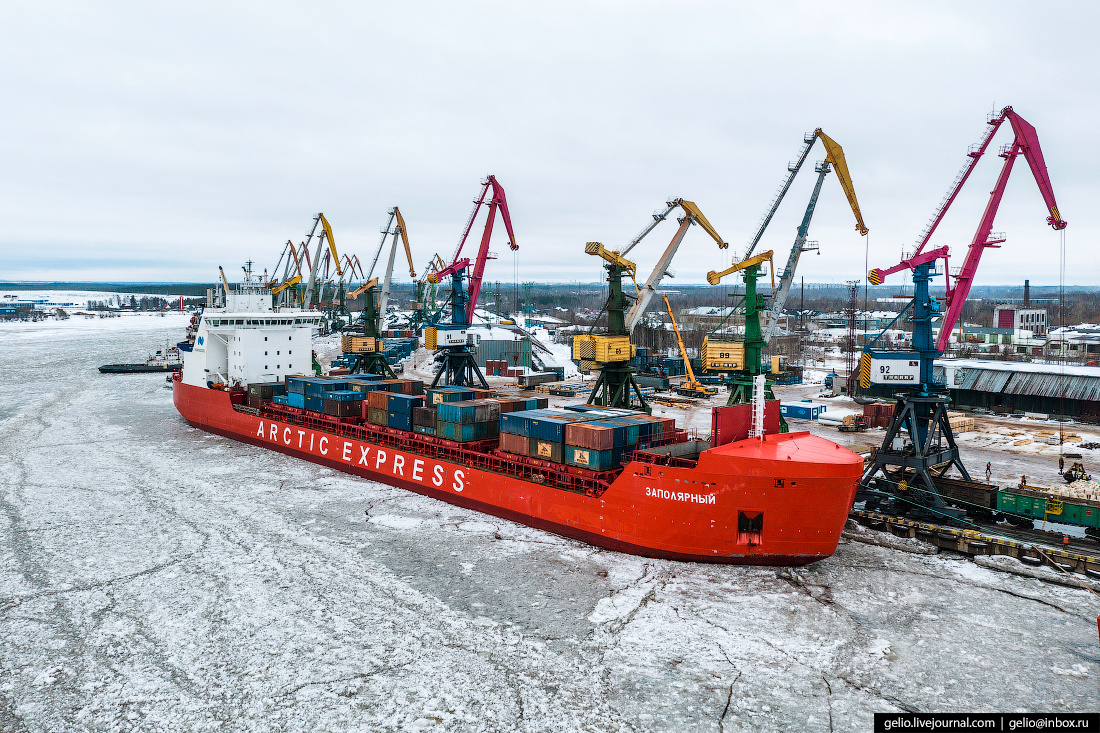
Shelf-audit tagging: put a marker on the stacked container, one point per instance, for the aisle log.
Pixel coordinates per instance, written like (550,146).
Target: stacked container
(400,407)
(342,403)
(260,392)
(378,407)
(438,395)
(423,420)
(468,420)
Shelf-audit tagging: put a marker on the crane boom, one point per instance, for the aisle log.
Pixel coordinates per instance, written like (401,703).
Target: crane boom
(387,281)
(691,381)
(692,215)
(610,255)
(311,286)
(835,155)
(1025,142)
(498,201)
(289,283)
(405,241)
(331,244)
(381,243)
(715,277)
(225,282)
(658,217)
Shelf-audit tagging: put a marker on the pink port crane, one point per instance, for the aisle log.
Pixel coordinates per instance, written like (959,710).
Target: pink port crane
(458,263)
(1025,142)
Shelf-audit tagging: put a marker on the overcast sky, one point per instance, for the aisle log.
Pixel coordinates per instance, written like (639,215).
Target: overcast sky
(154,141)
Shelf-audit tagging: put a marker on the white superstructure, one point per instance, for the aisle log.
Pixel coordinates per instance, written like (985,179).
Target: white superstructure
(248,340)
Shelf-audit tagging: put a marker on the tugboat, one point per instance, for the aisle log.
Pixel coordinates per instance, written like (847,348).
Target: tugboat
(167,360)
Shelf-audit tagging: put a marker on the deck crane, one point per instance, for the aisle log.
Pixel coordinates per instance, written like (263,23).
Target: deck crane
(291,275)
(457,365)
(919,441)
(741,391)
(691,387)
(366,350)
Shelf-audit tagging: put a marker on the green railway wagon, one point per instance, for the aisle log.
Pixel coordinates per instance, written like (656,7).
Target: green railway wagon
(1053,508)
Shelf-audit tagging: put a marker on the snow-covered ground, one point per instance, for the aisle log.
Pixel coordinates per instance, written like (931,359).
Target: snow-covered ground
(155,577)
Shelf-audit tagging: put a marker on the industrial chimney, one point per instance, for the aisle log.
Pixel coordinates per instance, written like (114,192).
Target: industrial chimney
(1027,293)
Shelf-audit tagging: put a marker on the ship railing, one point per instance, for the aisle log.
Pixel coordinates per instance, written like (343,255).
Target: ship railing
(481,455)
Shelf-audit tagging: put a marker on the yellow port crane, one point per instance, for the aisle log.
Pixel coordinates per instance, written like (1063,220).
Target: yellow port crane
(691,386)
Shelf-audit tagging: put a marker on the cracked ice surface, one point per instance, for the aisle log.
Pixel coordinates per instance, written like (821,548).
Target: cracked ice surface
(154,577)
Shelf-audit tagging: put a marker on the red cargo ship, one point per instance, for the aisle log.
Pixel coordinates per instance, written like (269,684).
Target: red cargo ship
(779,499)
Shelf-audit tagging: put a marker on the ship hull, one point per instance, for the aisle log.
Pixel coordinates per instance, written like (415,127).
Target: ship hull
(780,501)
(140,368)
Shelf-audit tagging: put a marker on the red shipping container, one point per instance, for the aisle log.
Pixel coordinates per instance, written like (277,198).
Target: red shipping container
(586,435)
(518,444)
(378,400)
(732,423)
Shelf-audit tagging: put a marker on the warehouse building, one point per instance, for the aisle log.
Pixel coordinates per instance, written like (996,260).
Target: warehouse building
(1008,387)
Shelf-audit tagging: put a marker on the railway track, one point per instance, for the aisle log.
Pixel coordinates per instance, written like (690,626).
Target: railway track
(1081,556)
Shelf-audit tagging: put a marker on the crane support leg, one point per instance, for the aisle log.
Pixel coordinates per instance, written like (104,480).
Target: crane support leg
(372,364)
(616,388)
(458,368)
(918,445)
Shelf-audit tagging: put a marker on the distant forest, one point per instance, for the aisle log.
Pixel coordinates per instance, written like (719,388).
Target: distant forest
(1081,303)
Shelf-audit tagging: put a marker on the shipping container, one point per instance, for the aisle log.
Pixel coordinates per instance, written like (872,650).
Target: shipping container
(439,395)
(363,387)
(400,420)
(404,403)
(280,399)
(423,417)
(342,408)
(595,435)
(801,410)
(593,460)
(456,432)
(469,411)
(343,395)
(379,400)
(376,416)
(546,450)
(518,444)
(296,399)
(424,430)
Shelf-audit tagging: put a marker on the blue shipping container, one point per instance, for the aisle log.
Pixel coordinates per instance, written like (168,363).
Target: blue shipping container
(463,413)
(280,399)
(343,395)
(296,385)
(403,403)
(296,399)
(453,431)
(800,410)
(400,421)
(593,460)
(314,402)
